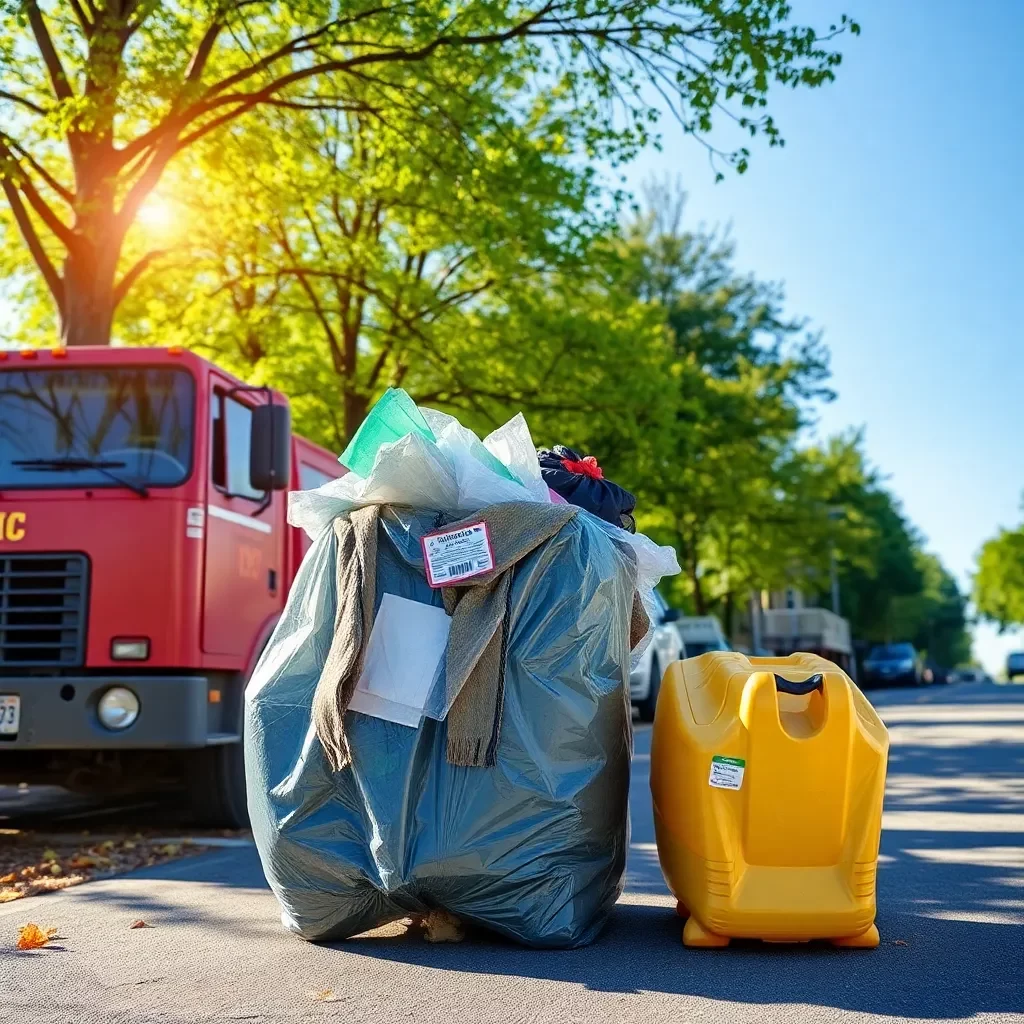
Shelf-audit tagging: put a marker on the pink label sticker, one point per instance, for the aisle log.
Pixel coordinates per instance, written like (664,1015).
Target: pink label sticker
(451,556)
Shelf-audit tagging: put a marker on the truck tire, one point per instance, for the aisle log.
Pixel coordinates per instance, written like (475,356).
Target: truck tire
(215,783)
(647,706)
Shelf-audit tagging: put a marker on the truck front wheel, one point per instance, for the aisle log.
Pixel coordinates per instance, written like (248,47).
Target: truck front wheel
(215,783)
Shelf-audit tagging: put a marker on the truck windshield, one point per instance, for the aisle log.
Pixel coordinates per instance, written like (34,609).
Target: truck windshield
(95,427)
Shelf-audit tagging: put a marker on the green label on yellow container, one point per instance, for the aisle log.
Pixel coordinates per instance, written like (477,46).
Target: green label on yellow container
(726,772)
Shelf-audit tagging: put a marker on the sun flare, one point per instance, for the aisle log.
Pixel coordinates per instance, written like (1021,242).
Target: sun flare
(158,215)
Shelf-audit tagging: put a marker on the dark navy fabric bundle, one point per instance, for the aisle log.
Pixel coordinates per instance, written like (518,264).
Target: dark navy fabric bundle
(579,480)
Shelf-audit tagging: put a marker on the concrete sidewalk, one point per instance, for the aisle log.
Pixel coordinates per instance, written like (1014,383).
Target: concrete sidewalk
(951,891)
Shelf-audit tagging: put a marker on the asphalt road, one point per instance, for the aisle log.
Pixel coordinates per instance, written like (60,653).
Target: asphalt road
(951,906)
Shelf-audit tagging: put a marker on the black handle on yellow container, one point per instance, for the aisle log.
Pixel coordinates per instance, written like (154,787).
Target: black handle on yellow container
(800,689)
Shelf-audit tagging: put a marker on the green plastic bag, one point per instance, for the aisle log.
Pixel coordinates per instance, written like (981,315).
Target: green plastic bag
(394,416)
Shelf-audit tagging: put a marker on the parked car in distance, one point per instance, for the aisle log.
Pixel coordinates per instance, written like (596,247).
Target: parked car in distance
(665,647)
(1015,665)
(893,665)
(701,634)
(969,675)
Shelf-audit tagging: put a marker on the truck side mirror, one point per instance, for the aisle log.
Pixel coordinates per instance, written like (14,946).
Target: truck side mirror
(270,445)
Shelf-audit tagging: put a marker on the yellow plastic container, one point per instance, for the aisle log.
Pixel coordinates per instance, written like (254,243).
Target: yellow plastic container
(768,776)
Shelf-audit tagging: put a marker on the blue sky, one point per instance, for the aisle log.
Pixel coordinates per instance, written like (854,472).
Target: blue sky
(895,217)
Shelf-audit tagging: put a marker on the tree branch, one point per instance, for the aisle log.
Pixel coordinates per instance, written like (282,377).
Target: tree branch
(23,101)
(58,77)
(301,44)
(35,246)
(43,173)
(246,101)
(83,19)
(132,275)
(36,201)
(199,60)
(332,338)
(145,183)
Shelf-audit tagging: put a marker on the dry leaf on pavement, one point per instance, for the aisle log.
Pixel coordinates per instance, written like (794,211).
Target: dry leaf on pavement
(31,865)
(31,936)
(138,924)
(328,996)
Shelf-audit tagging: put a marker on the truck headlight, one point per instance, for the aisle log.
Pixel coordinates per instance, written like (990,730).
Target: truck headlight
(125,648)
(118,708)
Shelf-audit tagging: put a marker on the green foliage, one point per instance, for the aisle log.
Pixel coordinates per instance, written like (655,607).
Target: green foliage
(891,589)
(999,581)
(362,257)
(726,482)
(936,616)
(101,100)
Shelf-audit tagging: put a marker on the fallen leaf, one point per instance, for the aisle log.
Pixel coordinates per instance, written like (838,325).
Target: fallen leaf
(31,936)
(49,855)
(129,845)
(900,942)
(56,869)
(28,872)
(108,845)
(169,849)
(138,924)
(328,996)
(82,860)
(7,879)
(11,894)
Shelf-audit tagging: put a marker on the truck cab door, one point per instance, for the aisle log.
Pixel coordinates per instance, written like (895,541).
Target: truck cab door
(244,546)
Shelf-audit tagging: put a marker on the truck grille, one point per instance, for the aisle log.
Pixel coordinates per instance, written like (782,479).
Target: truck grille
(43,601)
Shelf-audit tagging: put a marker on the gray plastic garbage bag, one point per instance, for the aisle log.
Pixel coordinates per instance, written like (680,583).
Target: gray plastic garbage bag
(533,848)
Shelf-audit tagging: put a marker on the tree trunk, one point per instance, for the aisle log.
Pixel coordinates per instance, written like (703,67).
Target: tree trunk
(355,413)
(699,603)
(88,314)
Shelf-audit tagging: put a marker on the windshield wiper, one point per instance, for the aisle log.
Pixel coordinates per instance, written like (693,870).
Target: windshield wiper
(71,462)
(75,462)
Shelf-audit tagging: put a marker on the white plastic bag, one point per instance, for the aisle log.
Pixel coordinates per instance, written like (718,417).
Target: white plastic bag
(454,475)
(445,475)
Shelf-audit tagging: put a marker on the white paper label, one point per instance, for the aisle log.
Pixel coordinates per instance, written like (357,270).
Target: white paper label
(195,516)
(726,772)
(454,555)
(402,660)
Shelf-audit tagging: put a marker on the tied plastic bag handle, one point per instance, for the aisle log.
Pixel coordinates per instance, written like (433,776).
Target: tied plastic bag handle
(802,688)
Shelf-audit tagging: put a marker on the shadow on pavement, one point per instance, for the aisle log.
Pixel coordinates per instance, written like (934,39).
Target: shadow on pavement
(951,896)
(951,900)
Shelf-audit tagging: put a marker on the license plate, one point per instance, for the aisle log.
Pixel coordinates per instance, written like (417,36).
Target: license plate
(10,714)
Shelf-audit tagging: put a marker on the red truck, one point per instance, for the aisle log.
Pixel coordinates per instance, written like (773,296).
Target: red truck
(145,558)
